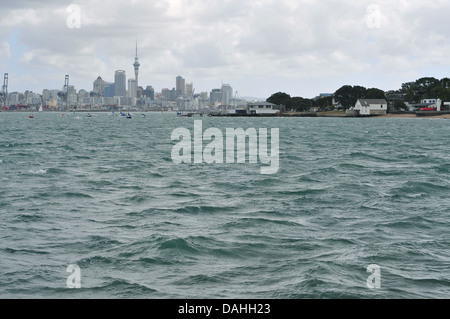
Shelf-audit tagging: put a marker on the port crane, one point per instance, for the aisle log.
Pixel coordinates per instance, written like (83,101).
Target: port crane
(64,94)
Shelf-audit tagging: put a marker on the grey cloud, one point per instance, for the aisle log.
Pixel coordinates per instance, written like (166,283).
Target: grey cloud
(283,38)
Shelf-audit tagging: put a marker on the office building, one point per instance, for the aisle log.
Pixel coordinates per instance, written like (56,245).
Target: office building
(132,90)
(227,94)
(120,81)
(180,86)
(190,90)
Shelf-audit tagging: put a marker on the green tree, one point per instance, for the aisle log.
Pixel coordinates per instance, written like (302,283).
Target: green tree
(300,104)
(344,96)
(281,98)
(400,106)
(374,93)
(348,95)
(323,102)
(358,92)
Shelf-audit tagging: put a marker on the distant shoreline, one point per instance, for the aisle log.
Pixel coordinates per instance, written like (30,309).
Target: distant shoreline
(284,115)
(442,116)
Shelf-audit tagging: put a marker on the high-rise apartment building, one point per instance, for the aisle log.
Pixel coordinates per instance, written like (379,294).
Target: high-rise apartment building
(120,81)
(132,90)
(99,86)
(215,97)
(110,90)
(149,92)
(181,86)
(227,94)
(190,90)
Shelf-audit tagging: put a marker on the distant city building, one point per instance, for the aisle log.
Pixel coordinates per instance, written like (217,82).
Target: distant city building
(165,94)
(203,100)
(149,92)
(46,95)
(72,99)
(99,86)
(82,94)
(14,98)
(190,90)
(120,81)
(227,94)
(169,95)
(132,90)
(54,94)
(125,101)
(215,97)
(108,101)
(180,86)
(110,90)
(140,92)
(72,90)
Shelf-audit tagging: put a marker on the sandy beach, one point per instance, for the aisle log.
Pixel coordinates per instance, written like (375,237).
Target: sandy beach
(443,116)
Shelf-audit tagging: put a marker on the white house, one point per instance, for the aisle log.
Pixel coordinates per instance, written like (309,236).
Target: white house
(371,107)
(262,108)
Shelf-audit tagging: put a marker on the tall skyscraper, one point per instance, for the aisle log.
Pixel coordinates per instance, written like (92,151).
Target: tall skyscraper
(215,97)
(149,92)
(110,90)
(120,81)
(99,86)
(227,94)
(190,90)
(181,86)
(136,66)
(132,90)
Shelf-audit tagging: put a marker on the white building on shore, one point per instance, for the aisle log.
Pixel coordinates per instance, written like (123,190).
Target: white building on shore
(262,108)
(371,107)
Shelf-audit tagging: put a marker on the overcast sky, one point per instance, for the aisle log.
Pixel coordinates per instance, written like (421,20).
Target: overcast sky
(259,47)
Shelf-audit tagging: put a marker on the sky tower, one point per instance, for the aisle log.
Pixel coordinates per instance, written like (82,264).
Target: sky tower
(136,65)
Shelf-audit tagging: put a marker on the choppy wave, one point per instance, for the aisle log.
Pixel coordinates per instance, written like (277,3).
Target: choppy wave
(139,226)
(38,172)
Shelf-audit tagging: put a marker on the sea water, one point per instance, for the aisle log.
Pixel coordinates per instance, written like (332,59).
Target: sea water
(105,195)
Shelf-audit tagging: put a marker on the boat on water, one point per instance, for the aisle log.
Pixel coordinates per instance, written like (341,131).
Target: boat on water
(179,114)
(31,117)
(129,116)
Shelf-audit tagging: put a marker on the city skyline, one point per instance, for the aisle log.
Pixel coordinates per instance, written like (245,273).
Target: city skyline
(260,47)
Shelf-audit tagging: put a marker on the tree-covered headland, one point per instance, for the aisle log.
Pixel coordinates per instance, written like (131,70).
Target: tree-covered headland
(346,96)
